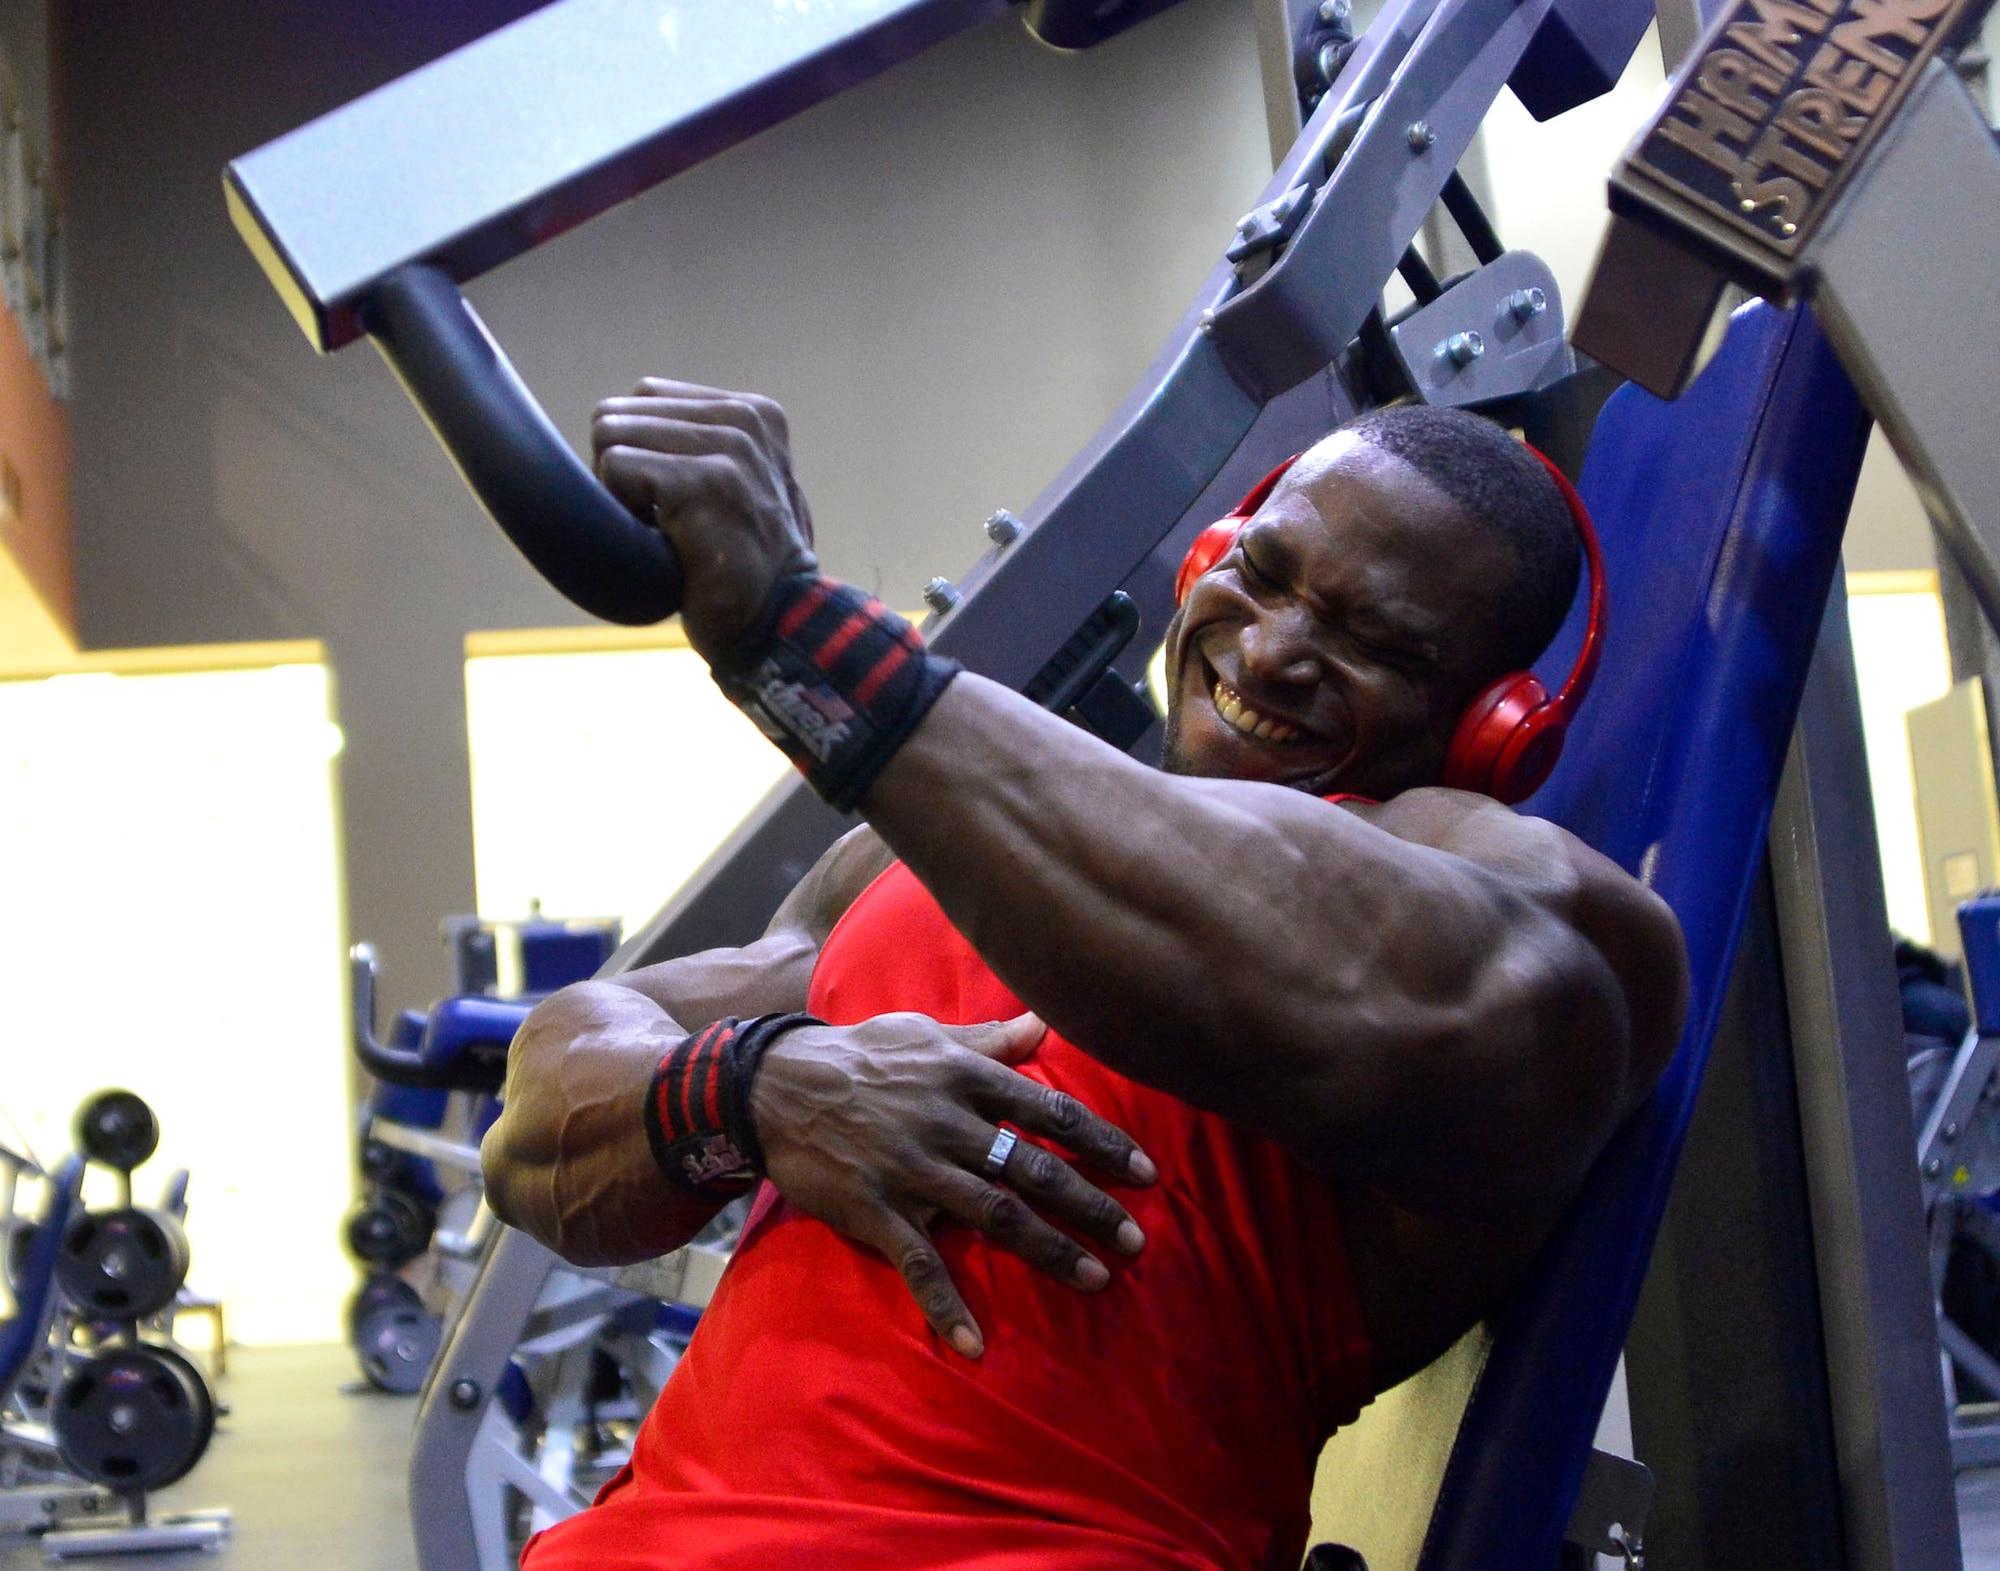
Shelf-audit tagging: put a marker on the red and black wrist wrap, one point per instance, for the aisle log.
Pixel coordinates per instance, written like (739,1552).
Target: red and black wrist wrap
(835,678)
(698,1105)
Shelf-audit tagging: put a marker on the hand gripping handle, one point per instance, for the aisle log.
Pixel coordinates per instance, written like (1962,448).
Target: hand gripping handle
(582,539)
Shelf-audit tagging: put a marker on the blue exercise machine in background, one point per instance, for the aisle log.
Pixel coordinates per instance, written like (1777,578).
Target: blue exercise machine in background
(596,1346)
(1954,1094)
(421,1221)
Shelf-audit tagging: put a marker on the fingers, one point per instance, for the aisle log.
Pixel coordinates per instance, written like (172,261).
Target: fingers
(657,486)
(1006,1219)
(1003,1041)
(1003,1095)
(750,413)
(684,419)
(1053,1188)
(767,409)
(643,432)
(909,1249)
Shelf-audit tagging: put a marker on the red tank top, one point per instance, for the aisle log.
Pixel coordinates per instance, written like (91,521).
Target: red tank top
(1172,1420)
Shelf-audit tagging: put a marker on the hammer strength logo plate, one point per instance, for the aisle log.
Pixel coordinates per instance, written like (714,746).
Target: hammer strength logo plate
(1781,104)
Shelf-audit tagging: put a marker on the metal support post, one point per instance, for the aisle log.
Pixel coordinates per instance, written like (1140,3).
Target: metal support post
(1897,1508)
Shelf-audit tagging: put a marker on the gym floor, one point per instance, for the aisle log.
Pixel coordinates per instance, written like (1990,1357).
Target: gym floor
(315,1476)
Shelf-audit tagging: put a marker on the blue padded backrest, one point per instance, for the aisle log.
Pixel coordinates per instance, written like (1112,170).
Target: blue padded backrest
(35,1283)
(1721,515)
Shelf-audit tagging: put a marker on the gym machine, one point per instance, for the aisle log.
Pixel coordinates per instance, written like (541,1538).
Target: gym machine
(421,1223)
(595,1347)
(600,1345)
(1958,1160)
(1726,691)
(37,1493)
(97,1407)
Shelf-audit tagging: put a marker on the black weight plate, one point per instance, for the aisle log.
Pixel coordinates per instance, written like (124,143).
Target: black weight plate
(388,1229)
(133,1418)
(124,1264)
(378,1161)
(396,1345)
(116,1128)
(204,1399)
(380,1291)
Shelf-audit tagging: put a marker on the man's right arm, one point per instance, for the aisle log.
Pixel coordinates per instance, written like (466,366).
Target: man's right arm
(568,1161)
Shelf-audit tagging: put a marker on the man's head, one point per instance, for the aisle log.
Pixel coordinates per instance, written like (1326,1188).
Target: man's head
(1400,566)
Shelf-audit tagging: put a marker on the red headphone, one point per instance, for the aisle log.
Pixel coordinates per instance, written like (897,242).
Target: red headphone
(1510,736)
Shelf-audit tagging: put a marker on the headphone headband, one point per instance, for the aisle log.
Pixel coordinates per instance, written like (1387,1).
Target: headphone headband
(1585,669)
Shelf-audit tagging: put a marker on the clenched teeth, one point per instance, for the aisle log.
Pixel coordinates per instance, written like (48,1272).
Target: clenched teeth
(1229,704)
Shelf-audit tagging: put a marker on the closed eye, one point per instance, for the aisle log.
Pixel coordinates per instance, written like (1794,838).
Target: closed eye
(1257,572)
(1401,656)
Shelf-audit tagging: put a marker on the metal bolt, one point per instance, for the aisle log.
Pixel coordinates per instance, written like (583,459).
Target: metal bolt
(464,1395)
(940,595)
(1461,349)
(1525,303)
(1330,58)
(1208,321)
(114,1264)
(120,1420)
(1933,1167)
(1420,136)
(1949,1132)
(1003,528)
(1336,13)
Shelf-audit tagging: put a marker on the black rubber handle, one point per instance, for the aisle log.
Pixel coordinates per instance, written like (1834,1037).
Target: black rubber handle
(595,551)
(398,1066)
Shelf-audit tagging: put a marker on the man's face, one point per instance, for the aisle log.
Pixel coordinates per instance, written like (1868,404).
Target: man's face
(1335,646)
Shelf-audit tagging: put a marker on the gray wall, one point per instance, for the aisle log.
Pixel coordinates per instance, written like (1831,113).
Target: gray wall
(949,276)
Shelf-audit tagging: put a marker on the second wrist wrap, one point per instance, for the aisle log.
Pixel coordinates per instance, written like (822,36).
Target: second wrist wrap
(835,678)
(698,1119)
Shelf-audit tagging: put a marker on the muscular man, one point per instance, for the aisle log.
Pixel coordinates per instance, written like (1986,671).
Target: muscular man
(1368,1051)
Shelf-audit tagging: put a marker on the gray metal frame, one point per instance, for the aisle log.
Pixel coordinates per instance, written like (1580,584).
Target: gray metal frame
(1868,1236)
(540,125)
(1925,361)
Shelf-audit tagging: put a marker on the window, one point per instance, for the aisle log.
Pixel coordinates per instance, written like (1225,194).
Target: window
(602,776)
(172,923)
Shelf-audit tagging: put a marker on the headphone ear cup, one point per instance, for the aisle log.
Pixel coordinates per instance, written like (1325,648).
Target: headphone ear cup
(1530,755)
(1210,547)
(1507,740)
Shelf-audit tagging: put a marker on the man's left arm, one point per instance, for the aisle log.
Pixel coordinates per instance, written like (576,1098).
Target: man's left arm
(1336,979)
(1326,980)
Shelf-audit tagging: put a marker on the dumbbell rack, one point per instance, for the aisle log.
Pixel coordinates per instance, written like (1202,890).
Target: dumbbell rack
(130,1415)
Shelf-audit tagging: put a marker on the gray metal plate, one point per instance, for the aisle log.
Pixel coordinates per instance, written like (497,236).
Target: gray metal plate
(541,125)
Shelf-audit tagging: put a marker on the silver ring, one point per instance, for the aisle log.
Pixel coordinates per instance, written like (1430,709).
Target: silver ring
(996,1159)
